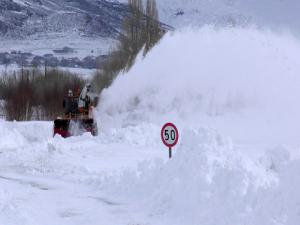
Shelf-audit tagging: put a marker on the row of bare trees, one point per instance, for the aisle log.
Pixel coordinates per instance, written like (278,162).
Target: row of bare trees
(141,30)
(30,94)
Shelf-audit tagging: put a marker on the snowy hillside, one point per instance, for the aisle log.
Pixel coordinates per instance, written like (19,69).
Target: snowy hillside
(65,33)
(230,79)
(267,13)
(237,162)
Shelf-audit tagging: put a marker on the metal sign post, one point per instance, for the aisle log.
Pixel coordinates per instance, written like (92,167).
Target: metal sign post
(169,136)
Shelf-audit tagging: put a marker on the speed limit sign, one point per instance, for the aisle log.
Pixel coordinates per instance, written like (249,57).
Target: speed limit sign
(169,136)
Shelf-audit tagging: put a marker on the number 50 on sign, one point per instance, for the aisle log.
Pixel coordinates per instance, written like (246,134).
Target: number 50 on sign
(169,136)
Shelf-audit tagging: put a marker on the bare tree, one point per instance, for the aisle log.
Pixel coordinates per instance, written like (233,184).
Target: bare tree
(133,36)
(140,29)
(153,28)
(24,93)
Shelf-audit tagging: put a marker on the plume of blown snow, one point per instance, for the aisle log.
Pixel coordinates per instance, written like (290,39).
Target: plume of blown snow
(197,76)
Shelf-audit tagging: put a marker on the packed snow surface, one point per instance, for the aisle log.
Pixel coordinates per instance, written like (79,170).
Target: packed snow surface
(232,93)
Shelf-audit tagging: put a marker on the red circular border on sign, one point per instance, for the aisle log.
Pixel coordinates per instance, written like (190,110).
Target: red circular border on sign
(162,135)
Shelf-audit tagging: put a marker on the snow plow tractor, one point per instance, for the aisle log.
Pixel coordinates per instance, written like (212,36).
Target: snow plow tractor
(78,117)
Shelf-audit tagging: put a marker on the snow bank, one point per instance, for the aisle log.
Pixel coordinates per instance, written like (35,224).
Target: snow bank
(29,148)
(246,78)
(209,182)
(15,135)
(8,207)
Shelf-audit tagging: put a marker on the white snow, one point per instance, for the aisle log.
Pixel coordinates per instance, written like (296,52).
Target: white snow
(46,180)
(209,182)
(233,94)
(232,80)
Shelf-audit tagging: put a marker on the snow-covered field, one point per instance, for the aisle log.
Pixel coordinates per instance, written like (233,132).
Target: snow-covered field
(45,180)
(40,45)
(233,93)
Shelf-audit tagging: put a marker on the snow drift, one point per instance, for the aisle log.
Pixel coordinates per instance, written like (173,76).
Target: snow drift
(208,182)
(231,79)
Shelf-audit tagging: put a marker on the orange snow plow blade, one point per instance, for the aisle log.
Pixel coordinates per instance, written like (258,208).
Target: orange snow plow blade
(73,127)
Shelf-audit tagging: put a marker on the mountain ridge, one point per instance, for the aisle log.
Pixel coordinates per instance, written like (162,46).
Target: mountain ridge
(23,18)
